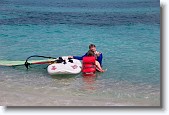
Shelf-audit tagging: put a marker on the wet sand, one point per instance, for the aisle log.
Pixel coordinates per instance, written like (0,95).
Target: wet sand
(11,97)
(29,96)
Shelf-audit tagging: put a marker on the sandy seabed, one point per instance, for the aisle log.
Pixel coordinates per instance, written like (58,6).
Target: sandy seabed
(28,96)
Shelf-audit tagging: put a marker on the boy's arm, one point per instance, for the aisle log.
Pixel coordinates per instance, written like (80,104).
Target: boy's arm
(79,57)
(99,59)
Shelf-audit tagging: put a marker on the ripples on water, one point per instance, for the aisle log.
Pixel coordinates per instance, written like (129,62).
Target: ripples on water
(37,82)
(74,18)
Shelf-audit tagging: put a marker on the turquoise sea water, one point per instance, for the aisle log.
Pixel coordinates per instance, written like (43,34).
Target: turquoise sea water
(126,32)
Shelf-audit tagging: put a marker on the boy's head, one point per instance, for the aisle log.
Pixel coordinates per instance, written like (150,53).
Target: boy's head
(92,47)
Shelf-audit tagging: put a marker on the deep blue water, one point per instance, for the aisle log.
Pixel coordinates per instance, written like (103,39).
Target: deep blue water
(126,32)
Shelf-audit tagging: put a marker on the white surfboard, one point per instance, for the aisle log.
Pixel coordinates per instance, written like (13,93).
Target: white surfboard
(67,67)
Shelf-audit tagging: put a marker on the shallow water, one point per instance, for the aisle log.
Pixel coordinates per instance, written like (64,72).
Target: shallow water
(126,32)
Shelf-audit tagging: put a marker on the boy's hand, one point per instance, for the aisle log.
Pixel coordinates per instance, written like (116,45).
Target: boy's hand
(97,53)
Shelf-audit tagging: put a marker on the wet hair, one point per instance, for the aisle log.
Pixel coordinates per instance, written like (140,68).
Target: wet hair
(91,45)
(90,53)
